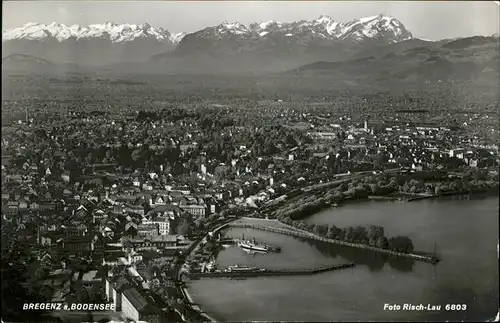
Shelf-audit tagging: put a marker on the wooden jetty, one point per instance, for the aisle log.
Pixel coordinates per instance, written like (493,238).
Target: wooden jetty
(267,272)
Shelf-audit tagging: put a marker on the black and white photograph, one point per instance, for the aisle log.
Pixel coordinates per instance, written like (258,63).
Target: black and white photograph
(250,161)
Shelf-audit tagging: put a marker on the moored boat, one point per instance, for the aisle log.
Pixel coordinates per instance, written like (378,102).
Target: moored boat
(253,252)
(252,246)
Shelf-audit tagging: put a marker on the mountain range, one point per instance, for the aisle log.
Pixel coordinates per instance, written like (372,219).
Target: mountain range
(108,43)
(321,44)
(97,44)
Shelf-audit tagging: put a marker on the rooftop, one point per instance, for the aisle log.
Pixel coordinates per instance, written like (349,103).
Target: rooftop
(90,276)
(139,302)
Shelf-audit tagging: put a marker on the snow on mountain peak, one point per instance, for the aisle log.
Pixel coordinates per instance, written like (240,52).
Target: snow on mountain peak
(265,25)
(324,19)
(176,38)
(115,32)
(379,26)
(373,27)
(232,27)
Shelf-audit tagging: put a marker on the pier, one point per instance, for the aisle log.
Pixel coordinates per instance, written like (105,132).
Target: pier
(307,235)
(267,272)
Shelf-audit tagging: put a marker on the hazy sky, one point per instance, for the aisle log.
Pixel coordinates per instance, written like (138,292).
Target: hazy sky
(430,20)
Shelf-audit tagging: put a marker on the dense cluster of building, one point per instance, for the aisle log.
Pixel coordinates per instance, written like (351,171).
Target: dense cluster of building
(100,227)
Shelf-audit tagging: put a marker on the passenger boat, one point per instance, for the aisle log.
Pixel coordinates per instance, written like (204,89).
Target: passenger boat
(249,245)
(253,252)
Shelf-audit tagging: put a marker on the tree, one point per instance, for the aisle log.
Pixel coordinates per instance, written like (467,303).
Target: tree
(290,141)
(46,292)
(41,273)
(136,154)
(382,242)
(333,232)
(302,226)
(321,230)
(360,235)
(341,235)
(401,244)
(310,227)
(349,234)
(15,290)
(213,217)
(393,184)
(82,295)
(375,232)
(183,227)
(338,196)
(95,294)
(201,222)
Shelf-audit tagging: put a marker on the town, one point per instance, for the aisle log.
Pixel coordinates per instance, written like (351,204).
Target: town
(100,206)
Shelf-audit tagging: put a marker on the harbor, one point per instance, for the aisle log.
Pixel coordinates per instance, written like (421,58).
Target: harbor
(212,294)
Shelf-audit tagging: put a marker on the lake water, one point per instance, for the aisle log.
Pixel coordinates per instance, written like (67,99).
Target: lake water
(466,235)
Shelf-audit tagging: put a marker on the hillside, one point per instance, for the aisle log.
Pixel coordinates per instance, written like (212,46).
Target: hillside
(30,64)
(449,62)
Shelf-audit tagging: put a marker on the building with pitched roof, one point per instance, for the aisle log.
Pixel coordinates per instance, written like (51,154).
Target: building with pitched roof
(137,308)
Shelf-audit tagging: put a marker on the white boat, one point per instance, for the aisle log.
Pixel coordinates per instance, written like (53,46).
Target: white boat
(253,252)
(251,246)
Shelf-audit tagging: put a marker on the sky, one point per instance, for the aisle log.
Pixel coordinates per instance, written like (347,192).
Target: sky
(431,20)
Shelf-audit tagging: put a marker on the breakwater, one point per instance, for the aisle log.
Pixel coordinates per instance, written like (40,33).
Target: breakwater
(266,272)
(384,198)
(307,235)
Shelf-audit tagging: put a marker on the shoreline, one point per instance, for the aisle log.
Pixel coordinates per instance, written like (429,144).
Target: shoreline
(415,197)
(184,290)
(199,311)
(494,191)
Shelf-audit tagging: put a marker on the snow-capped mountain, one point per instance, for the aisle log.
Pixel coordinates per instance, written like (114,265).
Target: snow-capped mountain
(96,44)
(102,44)
(375,27)
(116,33)
(320,32)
